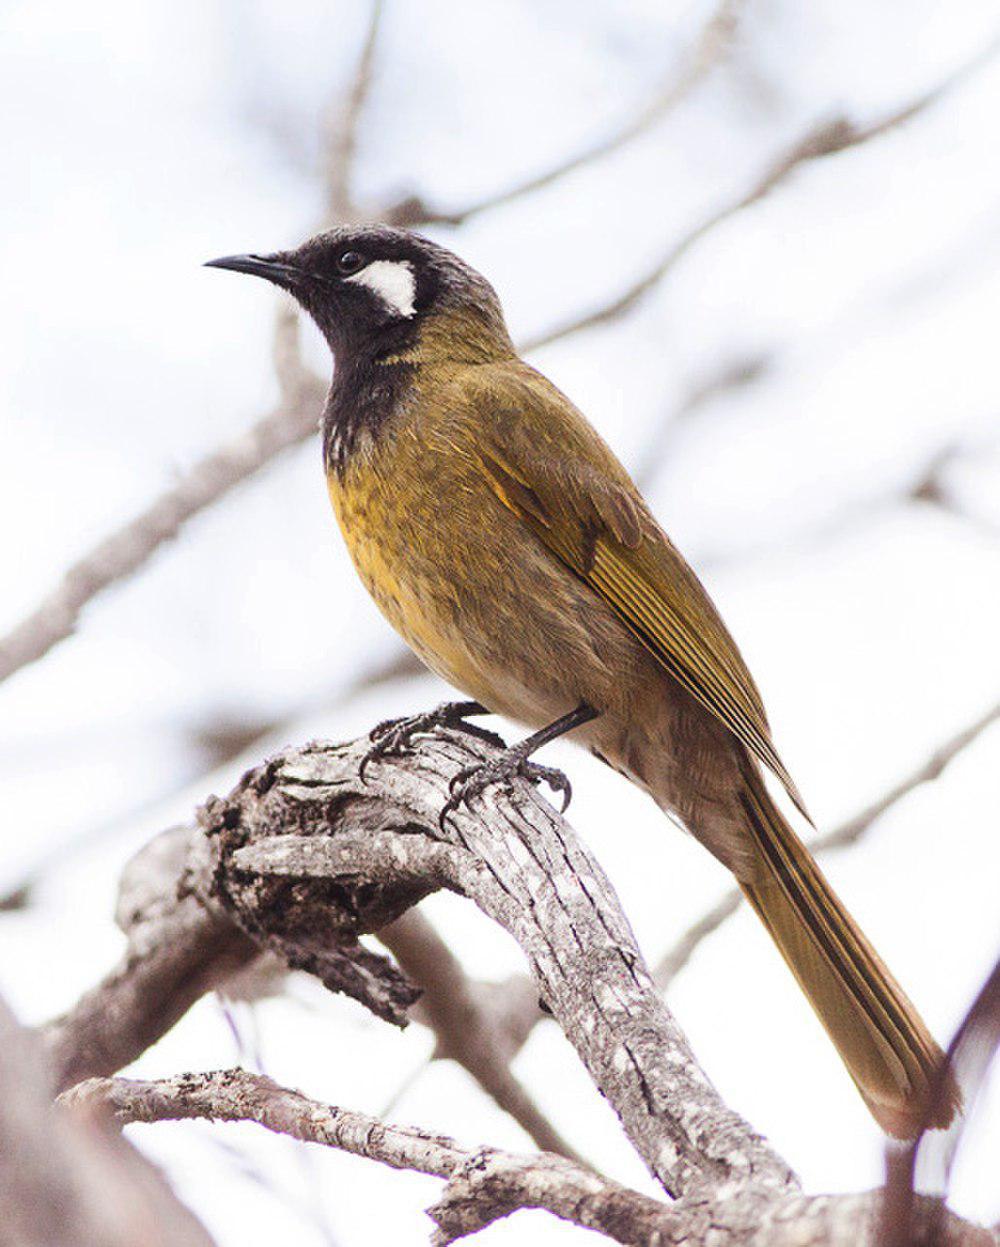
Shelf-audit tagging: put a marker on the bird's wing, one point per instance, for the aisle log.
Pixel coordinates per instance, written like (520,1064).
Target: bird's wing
(556,474)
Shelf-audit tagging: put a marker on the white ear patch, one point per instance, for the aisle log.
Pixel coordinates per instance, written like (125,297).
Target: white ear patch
(394,283)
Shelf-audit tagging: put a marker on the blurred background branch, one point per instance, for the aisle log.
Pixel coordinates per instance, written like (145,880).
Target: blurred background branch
(827,139)
(846,834)
(68,1180)
(713,44)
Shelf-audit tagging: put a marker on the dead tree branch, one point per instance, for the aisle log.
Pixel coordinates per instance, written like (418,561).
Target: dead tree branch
(187,952)
(180,948)
(848,833)
(483,1184)
(363,854)
(307,857)
(480,1029)
(366,852)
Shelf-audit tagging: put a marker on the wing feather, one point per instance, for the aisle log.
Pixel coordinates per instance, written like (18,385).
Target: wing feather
(571,491)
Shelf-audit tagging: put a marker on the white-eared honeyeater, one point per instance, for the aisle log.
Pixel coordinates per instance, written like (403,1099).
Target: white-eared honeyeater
(507,544)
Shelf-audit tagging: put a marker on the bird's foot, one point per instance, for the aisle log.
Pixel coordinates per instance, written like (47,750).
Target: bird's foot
(512,764)
(394,737)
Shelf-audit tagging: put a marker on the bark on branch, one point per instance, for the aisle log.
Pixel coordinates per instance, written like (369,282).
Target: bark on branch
(306,856)
(482,1026)
(363,851)
(179,949)
(485,1184)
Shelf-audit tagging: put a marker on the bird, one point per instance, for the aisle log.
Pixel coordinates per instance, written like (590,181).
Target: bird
(506,543)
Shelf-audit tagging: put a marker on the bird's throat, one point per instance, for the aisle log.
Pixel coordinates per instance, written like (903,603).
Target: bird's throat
(363,397)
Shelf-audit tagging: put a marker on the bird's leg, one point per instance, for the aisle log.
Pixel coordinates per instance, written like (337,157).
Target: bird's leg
(395,736)
(472,781)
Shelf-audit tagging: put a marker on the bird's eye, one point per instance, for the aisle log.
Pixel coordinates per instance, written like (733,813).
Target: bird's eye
(350,261)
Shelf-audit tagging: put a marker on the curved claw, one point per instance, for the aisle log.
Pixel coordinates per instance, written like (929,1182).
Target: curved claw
(394,737)
(461,778)
(472,781)
(446,809)
(557,780)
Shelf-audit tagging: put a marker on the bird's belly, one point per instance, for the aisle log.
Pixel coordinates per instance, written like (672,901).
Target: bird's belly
(482,604)
(416,581)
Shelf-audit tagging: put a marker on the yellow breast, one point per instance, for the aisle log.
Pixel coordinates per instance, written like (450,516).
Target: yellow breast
(393,526)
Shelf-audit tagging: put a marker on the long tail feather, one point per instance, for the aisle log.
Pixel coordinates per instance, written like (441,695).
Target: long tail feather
(881,1038)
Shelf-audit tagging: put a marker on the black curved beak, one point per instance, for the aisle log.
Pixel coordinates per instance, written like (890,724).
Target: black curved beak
(267,266)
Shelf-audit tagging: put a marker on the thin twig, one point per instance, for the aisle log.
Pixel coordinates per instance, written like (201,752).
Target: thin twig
(484,1184)
(854,828)
(848,833)
(713,43)
(825,140)
(932,486)
(125,551)
(342,129)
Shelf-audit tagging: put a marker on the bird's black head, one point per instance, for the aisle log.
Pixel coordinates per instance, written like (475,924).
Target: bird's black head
(372,290)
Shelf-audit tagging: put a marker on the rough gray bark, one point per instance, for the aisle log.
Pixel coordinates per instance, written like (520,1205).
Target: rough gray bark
(363,851)
(485,1184)
(179,947)
(306,857)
